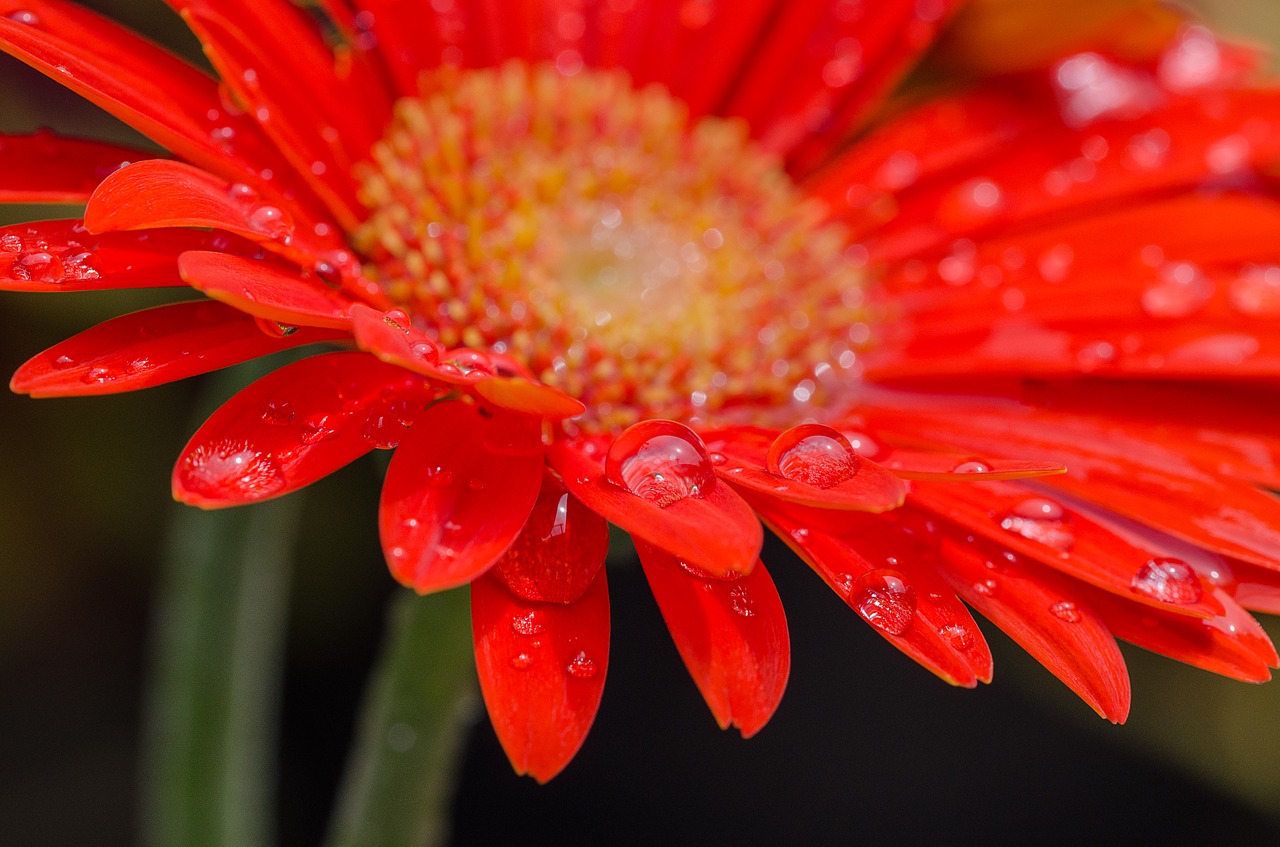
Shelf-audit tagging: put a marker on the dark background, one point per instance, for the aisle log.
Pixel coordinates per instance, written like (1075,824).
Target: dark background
(866,747)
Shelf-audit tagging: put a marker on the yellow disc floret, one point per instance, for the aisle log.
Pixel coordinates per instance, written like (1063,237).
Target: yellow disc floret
(647,266)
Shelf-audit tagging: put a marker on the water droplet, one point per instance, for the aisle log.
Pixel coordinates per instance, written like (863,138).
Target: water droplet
(63,362)
(23,16)
(386,422)
(1042,520)
(242,194)
(987,588)
(521,661)
(813,454)
(972,466)
(1065,610)
(397,319)
(527,624)
(884,599)
(1168,580)
(328,273)
(660,461)
(10,243)
(231,469)
(439,477)
(1256,291)
(958,636)
(1181,290)
(319,427)
(717,459)
(742,602)
(39,266)
(278,413)
(270,221)
(99,376)
(581,667)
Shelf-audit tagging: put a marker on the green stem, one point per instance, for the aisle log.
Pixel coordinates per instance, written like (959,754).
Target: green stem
(419,704)
(210,738)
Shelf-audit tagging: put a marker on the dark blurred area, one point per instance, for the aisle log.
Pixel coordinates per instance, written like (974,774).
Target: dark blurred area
(867,747)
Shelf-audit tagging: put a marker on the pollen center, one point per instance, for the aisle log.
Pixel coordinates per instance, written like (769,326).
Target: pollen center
(648,265)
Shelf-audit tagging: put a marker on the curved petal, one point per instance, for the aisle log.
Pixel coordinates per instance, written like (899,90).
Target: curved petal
(64,256)
(47,168)
(731,634)
(962,467)
(275,292)
(458,491)
(542,669)
(717,532)
(1048,617)
(296,425)
(152,347)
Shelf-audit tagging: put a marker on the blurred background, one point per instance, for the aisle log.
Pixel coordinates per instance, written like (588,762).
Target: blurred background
(866,745)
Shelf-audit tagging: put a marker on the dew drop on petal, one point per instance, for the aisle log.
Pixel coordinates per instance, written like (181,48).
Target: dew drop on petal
(1067,611)
(98,376)
(957,635)
(741,602)
(11,243)
(22,16)
(582,667)
(233,469)
(1180,290)
(278,413)
(317,428)
(1168,580)
(1256,291)
(987,588)
(1043,520)
(660,461)
(270,221)
(813,454)
(39,266)
(972,466)
(386,422)
(527,624)
(63,362)
(884,599)
(521,661)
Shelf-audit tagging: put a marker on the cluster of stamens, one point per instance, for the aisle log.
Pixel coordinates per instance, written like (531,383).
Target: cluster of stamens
(646,266)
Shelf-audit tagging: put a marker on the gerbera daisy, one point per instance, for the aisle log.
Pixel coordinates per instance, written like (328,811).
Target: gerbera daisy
(583,263)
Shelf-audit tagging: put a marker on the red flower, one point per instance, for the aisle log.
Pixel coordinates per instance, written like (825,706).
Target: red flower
(615,261)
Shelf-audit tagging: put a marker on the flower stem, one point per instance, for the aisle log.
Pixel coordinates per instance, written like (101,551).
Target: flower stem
(419,704)
(209,771)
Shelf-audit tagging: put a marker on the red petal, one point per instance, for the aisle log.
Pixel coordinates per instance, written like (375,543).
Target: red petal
(75,260)
(717,532)
(458,491)
(562,545)
(524,395)
(160,193)
(1231,644)
(926,621)
(161,96)
(744,451)
(731,634)
(46,168)
(1047,616)
(542,668)
(276,292)
(294,426)
(152,347)
(962,467)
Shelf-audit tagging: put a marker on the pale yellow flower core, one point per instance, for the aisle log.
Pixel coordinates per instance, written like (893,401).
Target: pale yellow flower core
(646,265)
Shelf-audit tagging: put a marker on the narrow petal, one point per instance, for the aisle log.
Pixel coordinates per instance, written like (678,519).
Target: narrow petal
(47,168)
(742,459)
(296,425)
(65,256)
(1048,617)
(731,634)
(961,467)
(542,670)
(273,291)
(458,491)
(152,347)
(717,532)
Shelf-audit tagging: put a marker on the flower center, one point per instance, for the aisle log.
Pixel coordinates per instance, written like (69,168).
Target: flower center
(648,266)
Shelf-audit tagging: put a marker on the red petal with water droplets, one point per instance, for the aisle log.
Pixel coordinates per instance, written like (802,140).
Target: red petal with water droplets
(960,467)
(152,347)
(79,261)
(1046,615)
(562,545)
(731,634)
(542,669)
(745,451)
(1053,534)
(1231,644)
(163,97)
(273,291)
(46,168)
(161,193)
(937,631)
(458,491)
(294,426)
(717,532)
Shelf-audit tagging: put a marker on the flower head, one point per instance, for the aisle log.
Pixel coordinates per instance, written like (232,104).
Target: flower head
(606,262)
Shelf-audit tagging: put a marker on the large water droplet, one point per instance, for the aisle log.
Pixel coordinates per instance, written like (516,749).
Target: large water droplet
(957,635)
(813,454)
(1168,580)
(39,266)
(885,600)
(231,469)
(661,461)
(270,221)
(1042,520)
